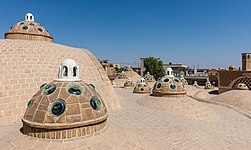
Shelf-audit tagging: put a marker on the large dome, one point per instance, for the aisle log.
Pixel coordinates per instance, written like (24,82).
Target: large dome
(63,105)
(26,65)
(28,30)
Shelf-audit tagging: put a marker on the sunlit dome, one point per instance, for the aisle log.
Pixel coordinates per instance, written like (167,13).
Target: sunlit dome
(28,30)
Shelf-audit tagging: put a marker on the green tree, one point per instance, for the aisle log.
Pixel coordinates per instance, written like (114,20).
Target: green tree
(154,66)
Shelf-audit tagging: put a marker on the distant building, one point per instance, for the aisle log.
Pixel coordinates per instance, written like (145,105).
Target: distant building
(178,69)
(229,79)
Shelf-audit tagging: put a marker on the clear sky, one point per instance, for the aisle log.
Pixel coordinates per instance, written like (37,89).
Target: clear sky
(211,33)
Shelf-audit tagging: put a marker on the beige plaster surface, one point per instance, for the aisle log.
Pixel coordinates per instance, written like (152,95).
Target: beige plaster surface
(136,126)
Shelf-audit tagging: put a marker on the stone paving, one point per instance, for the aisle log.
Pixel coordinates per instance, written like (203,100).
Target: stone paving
(136,126)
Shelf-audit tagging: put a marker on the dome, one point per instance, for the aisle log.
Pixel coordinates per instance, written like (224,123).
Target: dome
(28,30)
(63,107)
(149,77)
(128,82)
(141,87)
(241,86)
(28,64)
(195,84)
(122,75)
(208,84)
(168,86)
(232,68)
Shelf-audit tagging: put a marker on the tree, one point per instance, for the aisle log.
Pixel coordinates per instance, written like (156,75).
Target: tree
(154,66)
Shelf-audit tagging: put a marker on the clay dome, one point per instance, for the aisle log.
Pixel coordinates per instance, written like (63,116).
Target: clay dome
(195,84)
(141,87)
(168,85)
(28,30)
(183,80)
(149,77)
(28,64)
(128,83)
(122,75)
(208,84)
(232,68)
(241,86)
(63,106)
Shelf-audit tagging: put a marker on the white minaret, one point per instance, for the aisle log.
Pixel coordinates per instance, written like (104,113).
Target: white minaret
(68,71)
(29,17)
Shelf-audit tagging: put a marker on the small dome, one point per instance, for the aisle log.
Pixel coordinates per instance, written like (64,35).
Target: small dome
(241,86)
(184,81)
(141,87)
(149,77)
(208,84)
(60,108)
(168,86)
(28,30)
(232,68)
(122,75)
(195,83)
(128,82)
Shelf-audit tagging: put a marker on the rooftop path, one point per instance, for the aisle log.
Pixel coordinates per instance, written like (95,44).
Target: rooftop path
(138,127)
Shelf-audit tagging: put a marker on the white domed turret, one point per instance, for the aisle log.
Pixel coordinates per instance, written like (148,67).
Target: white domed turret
(142,80)
(169,72)
(114,84)
(68,71)
(29,17)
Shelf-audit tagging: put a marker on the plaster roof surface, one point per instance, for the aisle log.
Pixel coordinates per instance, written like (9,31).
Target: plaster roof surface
(138,127)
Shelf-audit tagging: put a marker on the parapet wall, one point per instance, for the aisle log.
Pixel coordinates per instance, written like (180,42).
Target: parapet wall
(228,79)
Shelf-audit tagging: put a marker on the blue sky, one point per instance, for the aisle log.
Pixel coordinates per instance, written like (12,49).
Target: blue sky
(211,33)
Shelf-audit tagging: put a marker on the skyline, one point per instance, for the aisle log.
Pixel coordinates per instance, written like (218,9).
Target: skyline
(212,34)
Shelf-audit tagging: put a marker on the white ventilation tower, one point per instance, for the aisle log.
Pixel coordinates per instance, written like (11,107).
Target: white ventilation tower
(29,17)
(68,71)
(169,72)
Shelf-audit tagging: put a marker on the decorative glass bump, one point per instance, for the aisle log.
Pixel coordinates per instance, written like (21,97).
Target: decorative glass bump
(75,89)
(95,103)
(141,89)
(40,29)
(50,88)
(43,85)
(176,80)
(25,27)
(32,24)
(166,80)
(159,85)
(30,103)
(57,108)
(145,85)
(172,86)
(92,86)
(21,23)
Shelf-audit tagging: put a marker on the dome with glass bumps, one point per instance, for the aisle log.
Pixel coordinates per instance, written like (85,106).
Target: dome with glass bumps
(65,107)
(28,30)
(168,86)
(128,82)
(149,77)
(141,87)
